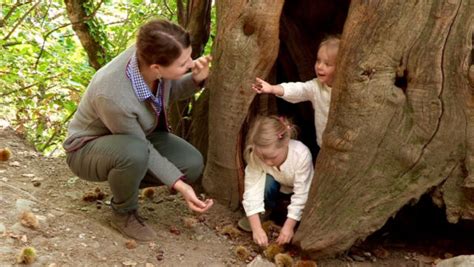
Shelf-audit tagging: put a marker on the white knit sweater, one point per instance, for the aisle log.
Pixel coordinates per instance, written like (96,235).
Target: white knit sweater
(320,96)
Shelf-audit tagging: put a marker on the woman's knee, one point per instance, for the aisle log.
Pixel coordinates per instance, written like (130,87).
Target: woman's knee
(193,167)
(136,154)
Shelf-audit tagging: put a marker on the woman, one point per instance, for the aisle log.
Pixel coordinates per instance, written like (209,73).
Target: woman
(120,134)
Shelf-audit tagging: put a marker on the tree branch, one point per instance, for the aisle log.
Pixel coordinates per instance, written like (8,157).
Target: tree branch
(45,37)
(14,7)
(20,21)
(51,138)
(28,86)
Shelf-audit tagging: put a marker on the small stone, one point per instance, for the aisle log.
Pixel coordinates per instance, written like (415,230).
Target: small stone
(129,263)
(24,205)
(358,258)
(37,179)
(14,164)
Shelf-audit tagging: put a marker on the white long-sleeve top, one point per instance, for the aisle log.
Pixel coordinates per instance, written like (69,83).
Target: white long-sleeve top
(294,175)
(320,96)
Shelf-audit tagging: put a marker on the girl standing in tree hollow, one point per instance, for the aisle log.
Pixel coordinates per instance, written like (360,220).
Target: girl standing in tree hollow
(317,90)
(276,165)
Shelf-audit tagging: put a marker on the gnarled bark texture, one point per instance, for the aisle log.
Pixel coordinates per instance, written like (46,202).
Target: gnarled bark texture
(196,19)
(246,46)
(77,15)
(387,144)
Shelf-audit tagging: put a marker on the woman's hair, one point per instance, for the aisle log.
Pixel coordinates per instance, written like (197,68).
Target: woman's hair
(266,131)
(332,43)
(161,42)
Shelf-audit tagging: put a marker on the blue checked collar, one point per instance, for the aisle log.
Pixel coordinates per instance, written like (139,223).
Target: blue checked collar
(141,89)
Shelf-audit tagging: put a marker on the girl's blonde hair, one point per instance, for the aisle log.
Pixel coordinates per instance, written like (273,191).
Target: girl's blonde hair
(332,43)
(266,131)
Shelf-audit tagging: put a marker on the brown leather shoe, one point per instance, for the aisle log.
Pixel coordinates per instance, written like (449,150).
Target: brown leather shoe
(132,225)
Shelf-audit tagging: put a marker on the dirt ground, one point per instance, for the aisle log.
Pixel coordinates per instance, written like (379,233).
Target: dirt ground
(74,232)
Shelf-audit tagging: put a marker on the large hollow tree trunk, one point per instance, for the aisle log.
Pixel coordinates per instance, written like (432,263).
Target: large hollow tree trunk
(385,145)
(246,46)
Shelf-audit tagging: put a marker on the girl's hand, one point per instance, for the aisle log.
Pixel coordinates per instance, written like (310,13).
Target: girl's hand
(200,69)
(285,236)
(260,237)
(191,199)
(287,232)
(260,86)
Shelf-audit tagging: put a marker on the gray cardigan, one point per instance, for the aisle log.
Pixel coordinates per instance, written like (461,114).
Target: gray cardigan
(110,106)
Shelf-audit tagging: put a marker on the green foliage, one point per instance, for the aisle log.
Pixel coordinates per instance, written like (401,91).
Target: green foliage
(44,69)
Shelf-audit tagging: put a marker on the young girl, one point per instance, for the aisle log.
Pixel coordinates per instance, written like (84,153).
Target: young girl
(275,162)
(317,90)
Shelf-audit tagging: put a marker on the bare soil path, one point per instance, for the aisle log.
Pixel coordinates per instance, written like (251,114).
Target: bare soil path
(74,232)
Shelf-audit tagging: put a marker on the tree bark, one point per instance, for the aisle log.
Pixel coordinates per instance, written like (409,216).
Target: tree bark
(386,145)
(196,20)
(246,46)
(198,23)
(78,17)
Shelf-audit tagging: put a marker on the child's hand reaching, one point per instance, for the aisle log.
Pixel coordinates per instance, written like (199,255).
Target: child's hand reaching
(285,236)
(287,232)
(261,86)
(260,237)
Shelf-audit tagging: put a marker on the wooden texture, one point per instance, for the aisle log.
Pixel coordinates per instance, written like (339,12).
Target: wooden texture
(385,145)
(246,46)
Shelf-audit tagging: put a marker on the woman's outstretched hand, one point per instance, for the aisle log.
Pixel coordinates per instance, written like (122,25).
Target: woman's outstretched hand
(200,68)
(194,203)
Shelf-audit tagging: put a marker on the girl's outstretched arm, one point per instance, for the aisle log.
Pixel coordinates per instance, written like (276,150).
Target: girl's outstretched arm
(261,86)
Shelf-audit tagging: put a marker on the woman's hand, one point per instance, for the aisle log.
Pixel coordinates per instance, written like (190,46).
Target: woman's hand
(194,203)
(287,232)
(200,69)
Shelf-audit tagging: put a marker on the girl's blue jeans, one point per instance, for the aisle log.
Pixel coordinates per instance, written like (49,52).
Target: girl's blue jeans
(272,190)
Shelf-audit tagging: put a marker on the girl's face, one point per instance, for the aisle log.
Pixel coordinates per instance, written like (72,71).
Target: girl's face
(272,155)
(325,65)
(178,68)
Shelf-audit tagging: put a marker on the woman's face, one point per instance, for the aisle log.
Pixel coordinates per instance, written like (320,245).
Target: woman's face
(179,67)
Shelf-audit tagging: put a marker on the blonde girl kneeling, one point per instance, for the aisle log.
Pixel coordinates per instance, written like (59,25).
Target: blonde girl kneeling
(275,162)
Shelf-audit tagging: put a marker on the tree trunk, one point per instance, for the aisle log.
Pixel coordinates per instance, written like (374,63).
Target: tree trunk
(78,17)
(196,20)
(401,121)
(198,23)
(246,46)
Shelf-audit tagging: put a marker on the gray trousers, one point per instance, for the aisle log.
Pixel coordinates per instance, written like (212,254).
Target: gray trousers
(122,160)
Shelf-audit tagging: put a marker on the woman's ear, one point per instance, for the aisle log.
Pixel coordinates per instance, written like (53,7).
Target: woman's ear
(156,68)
